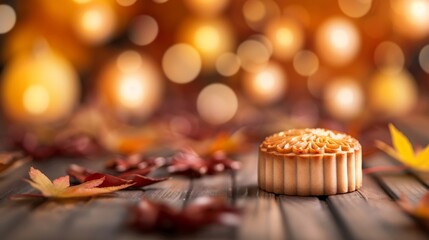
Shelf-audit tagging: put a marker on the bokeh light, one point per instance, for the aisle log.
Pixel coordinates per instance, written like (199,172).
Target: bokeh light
(7,18)
(338,41)
(217,103)
(267,85)
(211,37)
(355,8)
(206,7)
(96,22)
(389,55)
(305,63)
(181,63)
(424,58)
(392,93)
(410,17)
(344,98)
(253,54)
(258,12)
(286,36)
(130,86)
(144,30)
(47,91)
(228,64)
(126,3)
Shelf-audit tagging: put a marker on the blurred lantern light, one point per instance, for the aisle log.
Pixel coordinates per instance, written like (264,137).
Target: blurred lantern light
(306,63)
(344,99)
(217,103)
(286,36)
(228,64)
(7,18)
(39,88)
(424,58)
(126,3)
(131,85)
(181,63)
(211,37)
(206,7)
(160,1)
(253,54)
(96,22)
(410,17)
(391,93)
(144,30)
(355,8)
(337,41)
(389,55)
(258,12)
(267,85)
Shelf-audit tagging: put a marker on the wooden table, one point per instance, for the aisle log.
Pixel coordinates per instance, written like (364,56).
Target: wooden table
(370,213)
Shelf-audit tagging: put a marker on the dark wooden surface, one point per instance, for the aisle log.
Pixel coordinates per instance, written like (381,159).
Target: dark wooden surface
(370,213)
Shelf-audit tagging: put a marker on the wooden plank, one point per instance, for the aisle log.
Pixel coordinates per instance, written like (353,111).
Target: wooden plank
(394,220)
(311,214)
(262,218)
(357,218)
(397,183)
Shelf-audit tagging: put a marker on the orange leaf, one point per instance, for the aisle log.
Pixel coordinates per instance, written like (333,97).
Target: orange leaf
(60,187)
(421,210)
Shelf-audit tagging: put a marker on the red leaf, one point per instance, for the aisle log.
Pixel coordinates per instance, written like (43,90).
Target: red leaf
(78,172)
(109,180)
(189,163)
(149,216)
(141,181)
(137,180)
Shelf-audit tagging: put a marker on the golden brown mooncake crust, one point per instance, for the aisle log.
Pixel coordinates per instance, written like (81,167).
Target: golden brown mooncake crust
(310,162)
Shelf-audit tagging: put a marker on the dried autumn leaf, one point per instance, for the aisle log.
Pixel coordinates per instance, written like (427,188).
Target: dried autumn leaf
(189,163)
(135,162)
(60,187)
(150,216)
(420,211)
(403,150)
(136,180)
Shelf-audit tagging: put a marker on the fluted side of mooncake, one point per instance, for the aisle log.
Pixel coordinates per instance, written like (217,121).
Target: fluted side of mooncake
(308,162)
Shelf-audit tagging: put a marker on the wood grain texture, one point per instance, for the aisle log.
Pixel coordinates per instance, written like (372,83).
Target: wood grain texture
(308,218)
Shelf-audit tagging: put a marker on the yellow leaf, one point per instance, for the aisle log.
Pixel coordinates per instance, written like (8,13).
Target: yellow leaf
(423,157)
(60,187)
(401,144)
(403,150)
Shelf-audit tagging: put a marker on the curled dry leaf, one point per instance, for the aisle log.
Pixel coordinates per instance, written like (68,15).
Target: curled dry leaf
(421,210)
(150,216)
(60,187)
(135,162)
(189,163)
(403,150)
(136,180)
